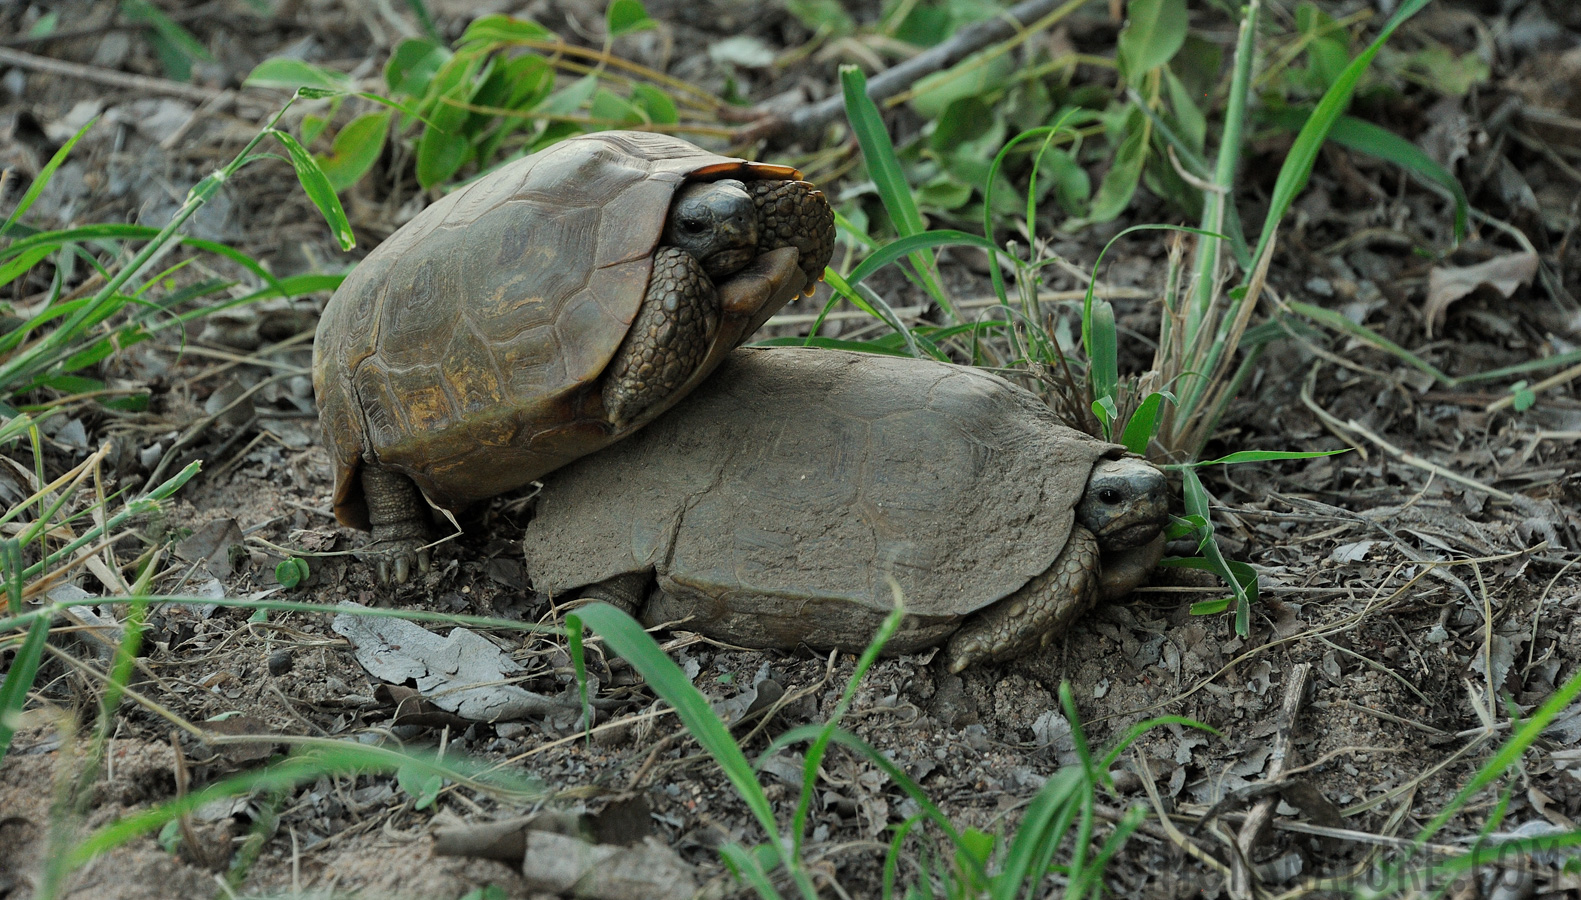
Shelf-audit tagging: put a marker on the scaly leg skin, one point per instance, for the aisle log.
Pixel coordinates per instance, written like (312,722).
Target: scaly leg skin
(625,592)
(1033,615)
(400,524)
(667,341)
(794,214)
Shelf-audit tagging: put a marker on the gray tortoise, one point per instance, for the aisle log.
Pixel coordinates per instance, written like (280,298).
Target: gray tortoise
(772,506)
(544,311)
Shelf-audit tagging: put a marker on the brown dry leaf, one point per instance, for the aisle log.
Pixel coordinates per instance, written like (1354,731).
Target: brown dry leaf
(1446,284)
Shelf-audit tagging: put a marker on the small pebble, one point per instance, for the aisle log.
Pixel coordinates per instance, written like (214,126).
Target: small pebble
(281,661)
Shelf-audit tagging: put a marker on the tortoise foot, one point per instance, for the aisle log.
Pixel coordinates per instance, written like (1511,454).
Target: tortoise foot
(1035,614)
(400,525)
(795,214)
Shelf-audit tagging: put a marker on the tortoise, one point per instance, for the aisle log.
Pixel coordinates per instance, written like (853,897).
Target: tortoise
(773,506)
(544,311)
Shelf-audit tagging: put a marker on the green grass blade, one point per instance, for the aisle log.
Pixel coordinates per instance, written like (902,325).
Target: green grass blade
(744,865)
(1303,152)
(1246,456)
(625,637)
(1365,137)
(884,166)
(1036,830)
(820,744)
(1338,322)
(911,244)
(18,679)
(44,175)
(318,188)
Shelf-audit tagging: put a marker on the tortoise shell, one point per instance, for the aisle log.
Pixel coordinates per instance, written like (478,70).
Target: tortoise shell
(796,483)
(464,351)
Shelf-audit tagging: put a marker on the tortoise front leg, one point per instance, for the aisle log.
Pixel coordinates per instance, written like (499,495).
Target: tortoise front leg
(668,340)
(1033,615)
(794,214)
(399,517)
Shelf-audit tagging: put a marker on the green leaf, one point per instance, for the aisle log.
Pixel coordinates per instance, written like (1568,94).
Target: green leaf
(822,16)
(1139,431)
(625,17)
(1246,456)
(500,29)
(19,677)
(1119,183)
(1524,396)
(355,149)
(413,65)
(421,782)
(290,74)
(318,189)
(175,46)
(971,77)
(878,152)
(610,106)
(1154,32)
(654,104)
(291,571)
(1102,339)
(440,155)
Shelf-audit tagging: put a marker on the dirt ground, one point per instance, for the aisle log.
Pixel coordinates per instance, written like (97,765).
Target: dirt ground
(1425,584)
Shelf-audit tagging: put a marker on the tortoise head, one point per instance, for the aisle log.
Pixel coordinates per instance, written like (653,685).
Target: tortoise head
(1126,503)
(717,223)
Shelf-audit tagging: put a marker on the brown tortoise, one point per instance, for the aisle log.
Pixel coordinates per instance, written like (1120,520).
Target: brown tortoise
(543,312)
(792,497)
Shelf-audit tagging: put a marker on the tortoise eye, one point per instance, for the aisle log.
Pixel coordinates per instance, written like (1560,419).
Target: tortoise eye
(1109,495)
(693,226)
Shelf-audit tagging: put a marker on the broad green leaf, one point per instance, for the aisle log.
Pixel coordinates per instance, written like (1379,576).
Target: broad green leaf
(1154,32)
(355,149)
(531,78)
(439,156)
(1139,431)
(610,106)
(504,30)
(413,65)
(1119,183)
(290,74)
(626,17)
(971,77)
(1191,124)
(823,16)
(654,104)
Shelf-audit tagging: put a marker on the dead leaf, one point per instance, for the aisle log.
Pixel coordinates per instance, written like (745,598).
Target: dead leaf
(1446,284)
(211,544)
(564,865)
(462,673)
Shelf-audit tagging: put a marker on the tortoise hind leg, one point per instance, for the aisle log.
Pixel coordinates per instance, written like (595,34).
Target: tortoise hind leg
(668,340)
(628,592)
(794,214)
(1034,614)
(400,524)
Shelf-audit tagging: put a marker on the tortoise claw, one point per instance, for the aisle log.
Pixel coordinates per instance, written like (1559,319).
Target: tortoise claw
(394,561)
